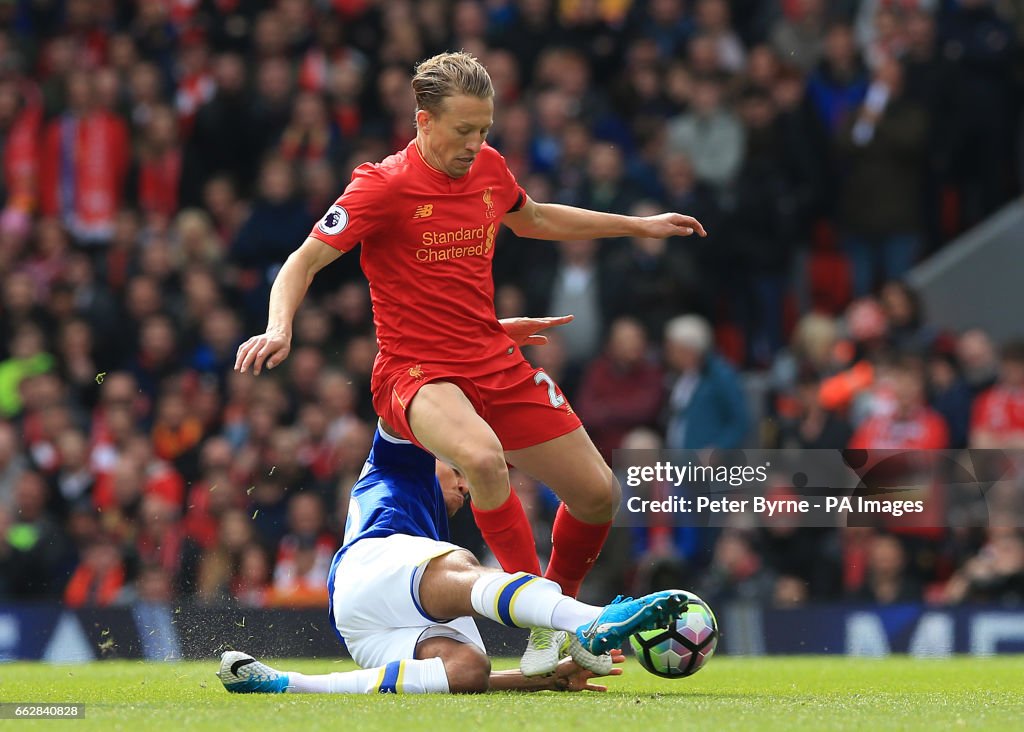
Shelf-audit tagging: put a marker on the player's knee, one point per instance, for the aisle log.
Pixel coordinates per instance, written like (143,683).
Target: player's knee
(602,500)
(457,568)
(482,465)
(615,495)
(462,560)
(468,670)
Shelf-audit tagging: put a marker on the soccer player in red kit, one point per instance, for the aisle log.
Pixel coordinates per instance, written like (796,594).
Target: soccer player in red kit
(448,377)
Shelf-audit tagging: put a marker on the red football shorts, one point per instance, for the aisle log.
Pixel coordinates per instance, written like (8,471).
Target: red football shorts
(522,404)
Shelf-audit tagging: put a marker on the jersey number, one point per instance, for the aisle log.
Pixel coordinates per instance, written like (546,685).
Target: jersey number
(554,397)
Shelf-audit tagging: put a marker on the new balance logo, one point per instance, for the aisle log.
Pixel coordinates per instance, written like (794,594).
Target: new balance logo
(424,211)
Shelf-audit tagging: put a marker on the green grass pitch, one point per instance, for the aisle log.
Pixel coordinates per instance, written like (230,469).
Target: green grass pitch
(812,693)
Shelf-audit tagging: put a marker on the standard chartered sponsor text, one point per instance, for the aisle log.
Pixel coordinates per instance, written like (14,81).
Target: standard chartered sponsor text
(431,238)
(431,252)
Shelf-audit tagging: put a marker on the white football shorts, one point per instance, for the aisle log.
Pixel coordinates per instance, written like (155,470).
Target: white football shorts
(376,600)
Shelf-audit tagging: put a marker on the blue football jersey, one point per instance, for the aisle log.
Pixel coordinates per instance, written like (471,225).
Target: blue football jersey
(397,493)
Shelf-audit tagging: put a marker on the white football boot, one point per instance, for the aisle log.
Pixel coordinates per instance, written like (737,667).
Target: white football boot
(543,652)
(242,674)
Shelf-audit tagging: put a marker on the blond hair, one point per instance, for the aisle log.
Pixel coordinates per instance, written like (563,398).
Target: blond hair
(448,75)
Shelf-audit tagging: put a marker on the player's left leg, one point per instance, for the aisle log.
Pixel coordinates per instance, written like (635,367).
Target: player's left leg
(466,666)
(572,467)
(543,437)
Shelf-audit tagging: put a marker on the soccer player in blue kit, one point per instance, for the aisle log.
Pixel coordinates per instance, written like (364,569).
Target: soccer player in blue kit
(402,597)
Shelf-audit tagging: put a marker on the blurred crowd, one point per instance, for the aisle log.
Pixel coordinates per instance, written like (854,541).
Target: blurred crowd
(161,158)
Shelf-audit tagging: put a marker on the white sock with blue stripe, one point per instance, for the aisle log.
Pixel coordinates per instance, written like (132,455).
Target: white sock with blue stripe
(412,676)
(522,600)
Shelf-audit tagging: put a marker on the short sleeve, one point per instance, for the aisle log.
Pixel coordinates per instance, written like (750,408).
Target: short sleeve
(515,195)
(359,210)
(520,199)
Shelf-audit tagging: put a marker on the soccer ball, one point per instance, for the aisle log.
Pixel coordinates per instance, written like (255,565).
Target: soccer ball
(684,647)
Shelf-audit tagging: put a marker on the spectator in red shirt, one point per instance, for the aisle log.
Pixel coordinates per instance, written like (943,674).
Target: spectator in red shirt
(84,163)
(997,420)
(216,492)
(251,585)
(196,85)
(303,555)
(622,389)
(98,580)
(162,542)
(158,173)
(177,432)
(907,423)
(21,116)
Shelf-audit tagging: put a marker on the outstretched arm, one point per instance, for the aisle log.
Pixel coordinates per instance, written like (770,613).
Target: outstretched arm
(557,222)
(567,677)
(290,285)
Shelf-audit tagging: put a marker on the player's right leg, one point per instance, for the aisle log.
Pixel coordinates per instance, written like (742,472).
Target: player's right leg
(572,467)
(444,420)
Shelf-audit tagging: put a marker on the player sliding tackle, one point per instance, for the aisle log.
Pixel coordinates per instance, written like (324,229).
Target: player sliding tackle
(402,597)
(447,377)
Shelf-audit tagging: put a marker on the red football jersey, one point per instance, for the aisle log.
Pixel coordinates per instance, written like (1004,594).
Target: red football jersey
(999,410)
(428,242)
(924,430)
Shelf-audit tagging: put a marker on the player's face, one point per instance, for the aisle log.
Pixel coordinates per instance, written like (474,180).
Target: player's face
(455,134)
(453,487)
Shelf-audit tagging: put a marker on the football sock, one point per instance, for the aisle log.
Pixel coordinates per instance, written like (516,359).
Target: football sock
(507,532)
(524,601)
(412,676)
(570,614)
(574,548)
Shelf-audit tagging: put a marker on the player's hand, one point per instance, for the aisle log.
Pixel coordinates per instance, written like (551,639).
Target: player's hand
(665,225)
(523,331)
(570,677)
(270,349)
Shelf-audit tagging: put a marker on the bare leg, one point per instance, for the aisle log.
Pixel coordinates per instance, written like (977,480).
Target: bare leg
(445,422)
(455,585)
(447,583)
(466,666)
(572,467)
